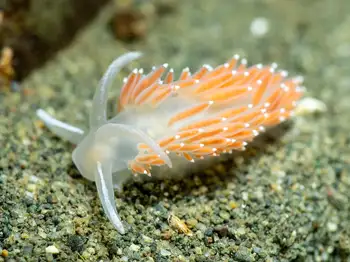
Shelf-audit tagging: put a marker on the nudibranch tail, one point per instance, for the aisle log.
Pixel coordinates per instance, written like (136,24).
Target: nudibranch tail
(98,114)
(65,131)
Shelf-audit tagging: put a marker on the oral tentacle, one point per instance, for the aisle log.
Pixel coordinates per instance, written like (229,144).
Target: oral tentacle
(104,184)
(65,131)
(98,115)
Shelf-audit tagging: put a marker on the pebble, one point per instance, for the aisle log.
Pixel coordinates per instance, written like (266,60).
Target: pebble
(257,250)
(259,194)
(208,232)
(208,240)
(243,254)
(332,227)
(199,234)
(310,105)
(4,253)
(233,204)
(217,220)
(147,239)
(240,231)
(88,252)
(130,220)
(134,247)
(164,253)
(224,215)
(76,243)
(52,250)
(192,222)
(198,251)
(245,196)
(201,226)
(221,230)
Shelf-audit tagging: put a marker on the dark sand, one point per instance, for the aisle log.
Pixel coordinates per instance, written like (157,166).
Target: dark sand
(285,201)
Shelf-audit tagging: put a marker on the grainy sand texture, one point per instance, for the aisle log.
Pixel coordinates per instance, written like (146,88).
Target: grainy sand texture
(284,200)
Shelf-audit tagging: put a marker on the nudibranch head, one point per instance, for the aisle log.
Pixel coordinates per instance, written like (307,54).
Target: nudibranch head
(162,120)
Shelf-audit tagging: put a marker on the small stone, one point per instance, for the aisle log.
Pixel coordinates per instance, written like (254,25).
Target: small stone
(88,252)
(134,247)
(208,232)
(198,251)
(32,187)
(164,253)
(76,243)
(166,235)
(199,234)
(41,233)
(4,253)
(233,204)
(259,193)
(217,220)
(332,227)
(201,226)
(192,222)
(309,105)
(24,236)
(276,187)
(27,250)
(52,250)
(257,250)
(245,196)
(125,259)
(147,239)
(222,231)
(130,220)
(208,240)
(292,238)
(243,254)
(240,231)
(203,190)
(344,242)
(224,215)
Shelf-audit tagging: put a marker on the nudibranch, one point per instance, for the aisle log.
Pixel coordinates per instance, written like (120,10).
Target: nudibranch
(162,120)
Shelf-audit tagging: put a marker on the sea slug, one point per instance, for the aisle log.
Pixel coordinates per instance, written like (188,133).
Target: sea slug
(163,122)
